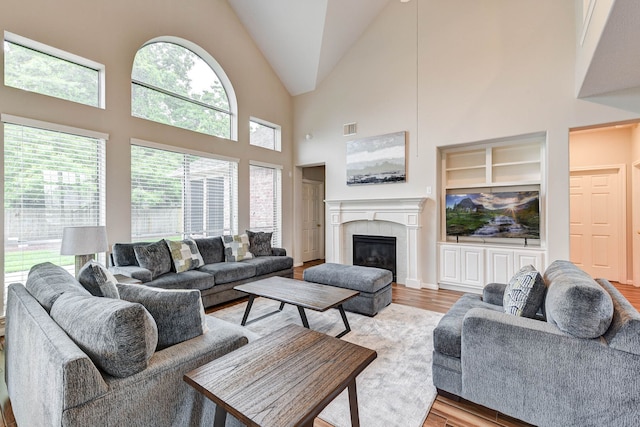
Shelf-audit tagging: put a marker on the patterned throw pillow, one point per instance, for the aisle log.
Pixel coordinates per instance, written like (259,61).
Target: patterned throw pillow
(99,281)
(236,248)
(259,243)
(154,257)
(524,293)
(185,255)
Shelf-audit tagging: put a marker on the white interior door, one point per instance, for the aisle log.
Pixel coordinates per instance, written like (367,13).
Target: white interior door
(596,222)
(312,221)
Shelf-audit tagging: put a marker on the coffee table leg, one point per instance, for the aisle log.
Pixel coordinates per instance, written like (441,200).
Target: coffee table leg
(346,322)
(353,404)
(247,310)
(303,316)
(221,417)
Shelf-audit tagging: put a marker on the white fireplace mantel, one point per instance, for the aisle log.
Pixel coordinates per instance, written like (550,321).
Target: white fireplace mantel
(406,212)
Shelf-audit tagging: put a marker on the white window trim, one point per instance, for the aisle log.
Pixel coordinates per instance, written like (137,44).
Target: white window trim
(23,121)
(67,56)
(159,146)
(265,165)
(277,130)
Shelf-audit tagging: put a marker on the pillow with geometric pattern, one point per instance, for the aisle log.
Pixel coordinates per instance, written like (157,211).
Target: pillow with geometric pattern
(524,293)
(236,248)
(185,255)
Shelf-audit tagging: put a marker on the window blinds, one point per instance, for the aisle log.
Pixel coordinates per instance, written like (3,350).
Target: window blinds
(52,180)
(176,195)
(265,201)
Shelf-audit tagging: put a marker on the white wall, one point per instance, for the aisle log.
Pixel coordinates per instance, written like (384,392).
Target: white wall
(480,70)
(110,32)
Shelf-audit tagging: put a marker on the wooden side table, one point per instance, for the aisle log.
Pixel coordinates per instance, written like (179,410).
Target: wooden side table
(283,379)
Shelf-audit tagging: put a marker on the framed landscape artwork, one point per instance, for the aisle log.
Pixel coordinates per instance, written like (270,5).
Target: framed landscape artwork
(377,159)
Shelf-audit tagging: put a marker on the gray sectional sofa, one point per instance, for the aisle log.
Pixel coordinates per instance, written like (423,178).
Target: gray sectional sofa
(576,363)
(74,359)
(215,280)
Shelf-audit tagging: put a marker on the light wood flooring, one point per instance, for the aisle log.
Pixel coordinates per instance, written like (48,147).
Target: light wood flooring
(445,412)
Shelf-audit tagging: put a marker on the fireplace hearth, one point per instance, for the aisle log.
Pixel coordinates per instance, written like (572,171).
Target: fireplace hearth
(375,251)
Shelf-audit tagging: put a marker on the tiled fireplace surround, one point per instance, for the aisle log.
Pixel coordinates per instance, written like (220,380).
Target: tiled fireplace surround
(400,218)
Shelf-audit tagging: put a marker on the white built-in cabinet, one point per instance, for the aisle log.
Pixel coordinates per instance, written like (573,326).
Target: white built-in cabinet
(516,163)
(469,268)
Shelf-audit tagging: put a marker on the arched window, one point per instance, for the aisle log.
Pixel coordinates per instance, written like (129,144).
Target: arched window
(177,83)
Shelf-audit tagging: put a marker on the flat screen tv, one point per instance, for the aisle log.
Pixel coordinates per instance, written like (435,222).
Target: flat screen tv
(510,214)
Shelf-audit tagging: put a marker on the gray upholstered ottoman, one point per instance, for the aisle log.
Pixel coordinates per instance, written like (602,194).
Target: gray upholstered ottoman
(374,285)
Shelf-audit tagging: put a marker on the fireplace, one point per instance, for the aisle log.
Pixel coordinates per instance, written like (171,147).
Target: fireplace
(375,251)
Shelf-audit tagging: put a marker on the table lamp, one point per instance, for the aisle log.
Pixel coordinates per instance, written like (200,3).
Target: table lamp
(84,243)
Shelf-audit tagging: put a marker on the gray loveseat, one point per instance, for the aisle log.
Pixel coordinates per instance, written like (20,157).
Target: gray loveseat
(215,280)
(576,364)
(52,381)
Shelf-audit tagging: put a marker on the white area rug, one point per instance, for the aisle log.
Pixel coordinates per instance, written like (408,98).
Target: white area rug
(397,388)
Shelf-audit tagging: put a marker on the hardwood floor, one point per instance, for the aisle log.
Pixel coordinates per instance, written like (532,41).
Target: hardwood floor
(445,412)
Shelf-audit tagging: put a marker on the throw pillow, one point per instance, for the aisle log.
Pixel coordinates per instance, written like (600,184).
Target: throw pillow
(524,293)
(236,248)
(154,257)
(179,314)
(259,243)
(46,282)
(119,336)
(185,255)
(99,281)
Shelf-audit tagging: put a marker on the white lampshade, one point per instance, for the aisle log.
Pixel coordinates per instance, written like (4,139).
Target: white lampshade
(84,240)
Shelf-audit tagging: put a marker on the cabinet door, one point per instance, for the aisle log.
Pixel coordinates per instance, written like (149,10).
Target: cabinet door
(449,264)
(523,258)
(499,265)
(472,263)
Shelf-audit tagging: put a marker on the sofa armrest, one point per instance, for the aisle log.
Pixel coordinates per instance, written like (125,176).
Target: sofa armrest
(532,371)
(162,398)
(493,293)
(278,252)
(134,272)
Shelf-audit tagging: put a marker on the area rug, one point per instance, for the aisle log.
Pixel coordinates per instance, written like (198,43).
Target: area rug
(397,388)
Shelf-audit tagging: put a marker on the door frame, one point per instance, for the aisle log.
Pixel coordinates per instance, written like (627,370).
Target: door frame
(621,171)
(635,219)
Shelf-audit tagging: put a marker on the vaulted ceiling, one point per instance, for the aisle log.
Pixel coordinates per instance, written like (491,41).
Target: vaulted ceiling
(303,40)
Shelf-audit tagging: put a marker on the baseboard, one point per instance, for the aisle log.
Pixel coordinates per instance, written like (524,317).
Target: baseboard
(460,288)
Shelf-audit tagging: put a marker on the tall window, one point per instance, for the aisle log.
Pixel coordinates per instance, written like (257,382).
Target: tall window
(39,68)
(175,195)
(53,178)
(263,134)
(266,200)
(173,85)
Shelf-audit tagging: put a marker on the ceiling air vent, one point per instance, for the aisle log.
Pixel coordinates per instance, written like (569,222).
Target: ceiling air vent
(350,129)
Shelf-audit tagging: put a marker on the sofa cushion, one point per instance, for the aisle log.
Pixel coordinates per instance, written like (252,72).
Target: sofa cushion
(259,242)
(179,314)
(118,336)
(575,303)
(270,264)
(236,248)
(624,332)
(524,293)
(227,272)
(191,279)
(185,255)
(447,336)
(211,249)
(46,282)
(154,257)
(99,281)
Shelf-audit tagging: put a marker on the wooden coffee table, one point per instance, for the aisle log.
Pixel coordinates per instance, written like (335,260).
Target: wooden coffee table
(302,294)
(283,379)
